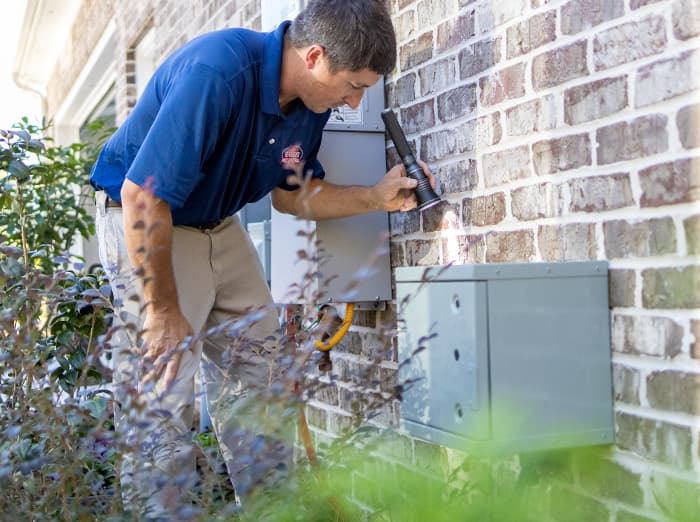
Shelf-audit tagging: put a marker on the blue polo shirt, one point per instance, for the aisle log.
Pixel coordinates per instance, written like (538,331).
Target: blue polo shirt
(207,134)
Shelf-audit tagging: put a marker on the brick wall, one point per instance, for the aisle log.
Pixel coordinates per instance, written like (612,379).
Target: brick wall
(173,21)
(559,130)
(568,130)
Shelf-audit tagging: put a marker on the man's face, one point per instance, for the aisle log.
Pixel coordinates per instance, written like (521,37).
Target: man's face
(326,90)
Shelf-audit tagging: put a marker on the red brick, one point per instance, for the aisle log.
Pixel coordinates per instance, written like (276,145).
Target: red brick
(404,222)
(430,12)
(644,136)
(572,242)
(457,103)
(686,19)
(479,57)
(622,284)
(674,391)
(443,216)
(670,183)
(655,441)
(505,84)
(416,51)
(595,100)
(464,249)
(405,25)
(560,154)
(484,210)
(544,200)
(533,116)
(420,252)
(695,332)
(458,177)
(510,247)
(396,255)
(628,42)
(600,193)
(688,122)
(418,117)
(641,239)
(666,79)
(626,384)
(437,76)
(443,144)
(559,65)
(466,137)
(402,91)
(532,33)
(691,226)
(453,33)
(670,288)
(495,14)
(579,15)
(636,4)
(506,166)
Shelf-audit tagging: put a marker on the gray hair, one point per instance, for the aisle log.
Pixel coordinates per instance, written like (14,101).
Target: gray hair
(355,34)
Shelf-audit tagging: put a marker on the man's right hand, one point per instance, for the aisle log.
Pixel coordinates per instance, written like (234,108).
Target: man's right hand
(163,335)
(148,230)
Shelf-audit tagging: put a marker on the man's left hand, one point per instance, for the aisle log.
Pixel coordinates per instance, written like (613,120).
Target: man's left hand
(395,190)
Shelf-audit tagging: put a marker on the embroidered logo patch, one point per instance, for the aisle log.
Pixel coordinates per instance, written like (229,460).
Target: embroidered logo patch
(293,154)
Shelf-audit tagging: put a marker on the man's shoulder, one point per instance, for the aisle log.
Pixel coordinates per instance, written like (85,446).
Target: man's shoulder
(228,51)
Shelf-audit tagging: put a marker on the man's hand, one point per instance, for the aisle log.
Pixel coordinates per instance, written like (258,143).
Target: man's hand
(148,230)
(162,336)
(395,190)
(319,199)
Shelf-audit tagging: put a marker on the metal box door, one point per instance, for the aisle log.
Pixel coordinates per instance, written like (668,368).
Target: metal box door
(449,399)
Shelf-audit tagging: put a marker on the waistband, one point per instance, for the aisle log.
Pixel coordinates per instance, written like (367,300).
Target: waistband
(209,225)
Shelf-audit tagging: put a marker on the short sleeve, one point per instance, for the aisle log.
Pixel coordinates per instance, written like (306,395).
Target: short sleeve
(195,109)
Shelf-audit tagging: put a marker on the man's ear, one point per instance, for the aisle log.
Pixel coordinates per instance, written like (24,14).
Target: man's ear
(314,56)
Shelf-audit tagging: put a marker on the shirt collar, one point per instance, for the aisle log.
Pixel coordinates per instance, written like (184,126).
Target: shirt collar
(271,68)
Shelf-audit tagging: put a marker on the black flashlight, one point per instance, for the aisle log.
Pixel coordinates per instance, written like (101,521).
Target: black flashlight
(425,195)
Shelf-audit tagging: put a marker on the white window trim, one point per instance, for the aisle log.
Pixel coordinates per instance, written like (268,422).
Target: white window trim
(92,84)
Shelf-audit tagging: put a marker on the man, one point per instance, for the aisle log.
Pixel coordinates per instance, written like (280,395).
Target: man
(217,127)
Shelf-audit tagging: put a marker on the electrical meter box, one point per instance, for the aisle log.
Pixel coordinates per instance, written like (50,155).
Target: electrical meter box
(506,357)
(349,256)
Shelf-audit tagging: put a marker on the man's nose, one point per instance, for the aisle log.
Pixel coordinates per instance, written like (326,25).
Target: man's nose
(354,99)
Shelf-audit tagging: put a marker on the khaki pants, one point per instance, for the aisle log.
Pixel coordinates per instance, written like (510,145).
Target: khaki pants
(219,278)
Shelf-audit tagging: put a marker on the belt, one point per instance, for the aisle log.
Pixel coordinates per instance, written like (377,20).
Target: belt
(207,226)
(111,203)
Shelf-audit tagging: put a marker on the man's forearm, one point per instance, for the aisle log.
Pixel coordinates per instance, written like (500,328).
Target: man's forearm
(318,199)
(148,231)
(322,200)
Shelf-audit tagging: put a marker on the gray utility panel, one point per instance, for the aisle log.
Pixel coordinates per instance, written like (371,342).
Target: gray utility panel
(516,358)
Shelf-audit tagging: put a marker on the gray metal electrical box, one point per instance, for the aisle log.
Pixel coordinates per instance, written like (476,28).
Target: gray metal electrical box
(516,356)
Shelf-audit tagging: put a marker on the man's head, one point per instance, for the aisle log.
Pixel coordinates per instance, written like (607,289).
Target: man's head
(346,46)
(355,34)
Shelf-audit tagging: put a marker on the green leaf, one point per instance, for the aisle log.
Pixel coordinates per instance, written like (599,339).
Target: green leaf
(35,146)
(18,169)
